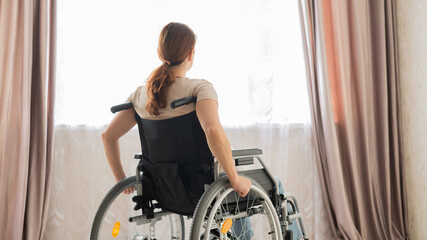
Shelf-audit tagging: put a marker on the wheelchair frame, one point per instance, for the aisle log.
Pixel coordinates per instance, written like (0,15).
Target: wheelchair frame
(241,157)
(280,202)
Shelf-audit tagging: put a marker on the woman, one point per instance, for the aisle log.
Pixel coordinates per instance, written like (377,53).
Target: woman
(165,84)
(151,101)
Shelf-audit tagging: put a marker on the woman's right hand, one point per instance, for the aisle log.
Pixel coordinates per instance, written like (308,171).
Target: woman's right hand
(241,185)
(121,124)
(207,112)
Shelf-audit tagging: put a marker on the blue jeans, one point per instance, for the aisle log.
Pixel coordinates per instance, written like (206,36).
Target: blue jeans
(242,227)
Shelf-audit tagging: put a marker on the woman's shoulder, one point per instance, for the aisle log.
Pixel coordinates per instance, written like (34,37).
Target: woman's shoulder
(194,82)
(201,88)
(137,93)
(140,88)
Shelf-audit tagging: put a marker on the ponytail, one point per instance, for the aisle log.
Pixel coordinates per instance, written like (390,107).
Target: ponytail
(157,86)
(175,43)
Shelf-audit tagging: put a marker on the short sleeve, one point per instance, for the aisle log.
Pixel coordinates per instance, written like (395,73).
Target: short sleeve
(136,95)
(204,90)
(130,98)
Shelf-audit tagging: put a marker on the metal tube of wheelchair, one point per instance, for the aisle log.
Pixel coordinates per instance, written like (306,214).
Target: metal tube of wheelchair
(138,182)
(216,170)
(235,216)
(142,219)
(300,221)
(297,214)
(285,214)
(269,175)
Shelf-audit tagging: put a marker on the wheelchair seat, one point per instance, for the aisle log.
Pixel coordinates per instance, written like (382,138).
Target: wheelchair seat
(176,162)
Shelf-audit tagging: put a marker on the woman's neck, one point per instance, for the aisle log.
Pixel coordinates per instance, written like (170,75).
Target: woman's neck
(180,70)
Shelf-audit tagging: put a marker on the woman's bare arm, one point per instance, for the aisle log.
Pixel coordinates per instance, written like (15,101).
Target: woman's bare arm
(207,112)
(121,124)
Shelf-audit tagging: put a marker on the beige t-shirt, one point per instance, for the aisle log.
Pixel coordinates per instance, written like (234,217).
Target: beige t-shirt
(181,87)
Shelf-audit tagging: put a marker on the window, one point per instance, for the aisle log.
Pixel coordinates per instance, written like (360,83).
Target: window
(249,49)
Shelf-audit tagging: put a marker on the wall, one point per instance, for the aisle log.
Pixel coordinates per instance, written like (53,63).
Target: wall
(412,45)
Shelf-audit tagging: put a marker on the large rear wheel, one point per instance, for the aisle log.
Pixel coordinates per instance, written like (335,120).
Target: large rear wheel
(112,219)
(222,214)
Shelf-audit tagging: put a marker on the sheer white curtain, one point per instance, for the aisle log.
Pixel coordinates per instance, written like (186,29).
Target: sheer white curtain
(251,52)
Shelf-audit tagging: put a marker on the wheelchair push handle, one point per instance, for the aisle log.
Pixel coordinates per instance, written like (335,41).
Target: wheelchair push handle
(183,101)
(121,107)
(174,104)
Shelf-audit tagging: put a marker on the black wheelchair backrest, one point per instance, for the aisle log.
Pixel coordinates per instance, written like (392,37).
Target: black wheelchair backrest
(176,161)
(180,139)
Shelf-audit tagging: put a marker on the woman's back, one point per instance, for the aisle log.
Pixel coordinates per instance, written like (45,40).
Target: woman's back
(180,87)
(165,84)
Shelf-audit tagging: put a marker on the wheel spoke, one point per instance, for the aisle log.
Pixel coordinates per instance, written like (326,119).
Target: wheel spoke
(252,219)
(118,207)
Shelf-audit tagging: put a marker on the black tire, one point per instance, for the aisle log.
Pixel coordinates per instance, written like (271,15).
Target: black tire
(109,200)
(221,190)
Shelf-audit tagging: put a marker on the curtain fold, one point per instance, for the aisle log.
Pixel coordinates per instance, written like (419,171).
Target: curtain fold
(27,41)
(351,59)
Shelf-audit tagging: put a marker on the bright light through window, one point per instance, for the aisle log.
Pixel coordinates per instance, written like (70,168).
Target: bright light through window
(250,51)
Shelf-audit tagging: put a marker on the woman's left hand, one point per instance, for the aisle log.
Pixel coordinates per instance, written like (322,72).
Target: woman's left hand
(128,190)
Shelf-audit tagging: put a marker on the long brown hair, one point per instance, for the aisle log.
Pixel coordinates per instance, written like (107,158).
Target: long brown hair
(175,43)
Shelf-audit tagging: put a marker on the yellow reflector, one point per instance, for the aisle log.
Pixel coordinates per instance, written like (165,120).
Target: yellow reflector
(226,225)
(116,229)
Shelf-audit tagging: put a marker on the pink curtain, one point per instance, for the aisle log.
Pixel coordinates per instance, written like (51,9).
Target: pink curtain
(27,50)
(351,58)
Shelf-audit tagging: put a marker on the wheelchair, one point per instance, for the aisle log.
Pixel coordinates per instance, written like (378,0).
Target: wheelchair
(177,177)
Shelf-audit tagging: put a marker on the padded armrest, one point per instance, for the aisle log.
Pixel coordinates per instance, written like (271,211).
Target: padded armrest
(246,152)
(245,156)
(138,156)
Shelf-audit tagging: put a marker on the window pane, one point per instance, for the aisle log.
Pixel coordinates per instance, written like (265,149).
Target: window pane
(250,50)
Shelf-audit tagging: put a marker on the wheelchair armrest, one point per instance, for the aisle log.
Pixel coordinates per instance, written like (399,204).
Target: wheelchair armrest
(246,152)
(245,156)
(244,161)
(138,156)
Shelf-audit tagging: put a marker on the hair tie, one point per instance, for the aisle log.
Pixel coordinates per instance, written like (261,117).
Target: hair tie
(167,62)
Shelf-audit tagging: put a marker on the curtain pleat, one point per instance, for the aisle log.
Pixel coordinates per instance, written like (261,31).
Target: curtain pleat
(354,99)
(27,98)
